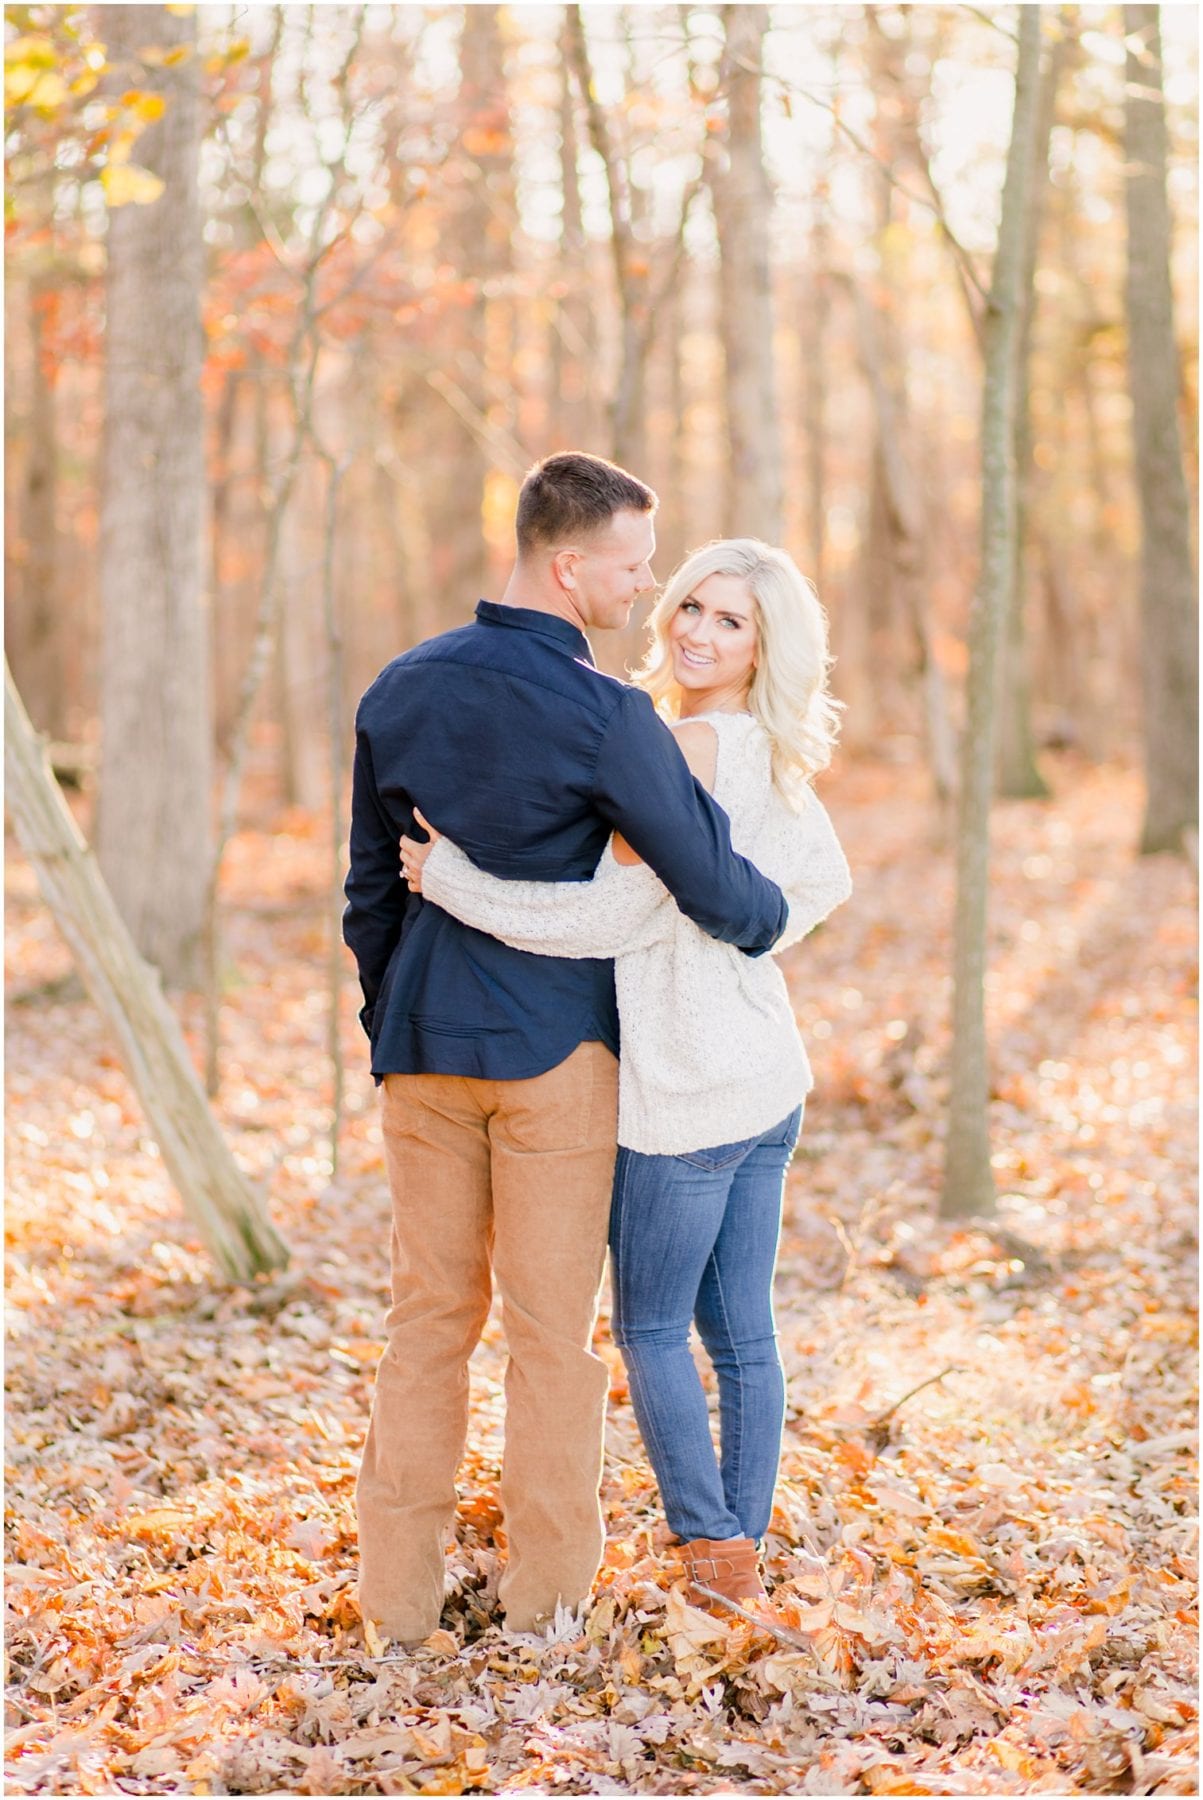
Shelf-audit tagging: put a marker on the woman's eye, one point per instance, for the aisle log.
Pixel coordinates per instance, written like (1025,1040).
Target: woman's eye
(689,606)
(733,623)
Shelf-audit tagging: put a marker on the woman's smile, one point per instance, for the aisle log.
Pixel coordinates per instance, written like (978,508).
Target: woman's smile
(713,637)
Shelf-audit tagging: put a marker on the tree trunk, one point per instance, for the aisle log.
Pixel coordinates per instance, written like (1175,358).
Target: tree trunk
(640,299)
(1088,647)
(299,655)
(742,210)
(672,519)
(814,390)
(968,1180)
(628,257)
(479,241)
(41,664)
(398,575)
(574,321)
(880,702)
(1018,776)
(155,832)
(217,1197)
(906,536)
(336,737)
(1169,618)
(228,607)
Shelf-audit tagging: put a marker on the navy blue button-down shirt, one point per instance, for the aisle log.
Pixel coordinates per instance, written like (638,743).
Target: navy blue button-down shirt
(509,740)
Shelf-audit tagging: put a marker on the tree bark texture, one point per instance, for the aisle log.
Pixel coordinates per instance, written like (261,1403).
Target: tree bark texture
(1169,611)
(155,832)
(1018,776)
(480,245)
(968,1180)
(300,658)
(336,737)
(906,530)
(813,397)
(572,410)
(742,208)
(227,605)
(217,1197)
(38,645)
(627,423)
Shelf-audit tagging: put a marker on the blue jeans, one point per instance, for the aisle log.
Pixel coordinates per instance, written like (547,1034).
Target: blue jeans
(694,1237)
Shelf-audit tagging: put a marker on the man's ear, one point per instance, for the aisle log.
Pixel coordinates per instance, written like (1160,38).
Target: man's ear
(563,568)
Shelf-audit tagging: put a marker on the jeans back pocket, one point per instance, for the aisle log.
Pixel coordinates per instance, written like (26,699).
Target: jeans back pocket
(719,1156)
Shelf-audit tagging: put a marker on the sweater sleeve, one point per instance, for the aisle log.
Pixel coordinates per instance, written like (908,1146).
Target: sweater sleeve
(811,869)
(622,908)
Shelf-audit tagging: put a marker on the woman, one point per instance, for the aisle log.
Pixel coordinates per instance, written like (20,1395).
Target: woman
(713,1074)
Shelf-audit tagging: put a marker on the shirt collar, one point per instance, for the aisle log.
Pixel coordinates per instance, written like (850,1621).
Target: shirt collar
(525,618)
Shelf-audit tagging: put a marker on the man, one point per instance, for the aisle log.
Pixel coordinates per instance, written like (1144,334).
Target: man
(498,1067)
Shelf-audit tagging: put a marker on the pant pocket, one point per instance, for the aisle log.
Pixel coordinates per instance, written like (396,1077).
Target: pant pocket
(719,1156)
(570,1107)
(789,1130)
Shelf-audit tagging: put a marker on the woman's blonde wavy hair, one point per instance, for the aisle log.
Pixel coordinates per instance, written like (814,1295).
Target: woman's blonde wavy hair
(789,694)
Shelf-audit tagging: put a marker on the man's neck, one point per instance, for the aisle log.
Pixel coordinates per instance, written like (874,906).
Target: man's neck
(526,589)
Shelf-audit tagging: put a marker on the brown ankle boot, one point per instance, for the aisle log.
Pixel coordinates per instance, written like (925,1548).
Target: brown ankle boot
(726,1566)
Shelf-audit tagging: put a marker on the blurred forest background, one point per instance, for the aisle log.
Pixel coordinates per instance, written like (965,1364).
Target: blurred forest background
(744,251)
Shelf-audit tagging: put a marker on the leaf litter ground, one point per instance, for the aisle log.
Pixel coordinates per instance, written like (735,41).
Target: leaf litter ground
(989,1589)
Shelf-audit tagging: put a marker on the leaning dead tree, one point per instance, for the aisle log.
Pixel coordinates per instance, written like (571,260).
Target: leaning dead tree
(217,1197)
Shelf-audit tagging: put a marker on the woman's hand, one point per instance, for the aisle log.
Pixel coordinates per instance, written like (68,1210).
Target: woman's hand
(413,854)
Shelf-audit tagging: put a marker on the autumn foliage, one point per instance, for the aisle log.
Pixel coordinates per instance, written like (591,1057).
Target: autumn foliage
(987,1588)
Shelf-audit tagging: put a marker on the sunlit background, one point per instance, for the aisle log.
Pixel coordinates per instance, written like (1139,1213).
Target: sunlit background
(468,323)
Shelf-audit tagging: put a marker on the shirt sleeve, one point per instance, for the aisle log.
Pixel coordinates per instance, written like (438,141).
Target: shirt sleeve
(620,909)
(377,898)
(812,870)
(642,786)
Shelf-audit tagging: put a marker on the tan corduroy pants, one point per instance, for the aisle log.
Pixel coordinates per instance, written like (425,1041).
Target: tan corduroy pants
(510,1178)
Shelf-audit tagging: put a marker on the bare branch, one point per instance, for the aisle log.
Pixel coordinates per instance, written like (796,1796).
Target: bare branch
(794,1639)
(621,240)
(882,1422)
(506,451)
(930,202)
(987,19)
(666,285)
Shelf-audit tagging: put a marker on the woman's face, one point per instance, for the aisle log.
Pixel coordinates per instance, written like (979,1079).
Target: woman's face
(712,637)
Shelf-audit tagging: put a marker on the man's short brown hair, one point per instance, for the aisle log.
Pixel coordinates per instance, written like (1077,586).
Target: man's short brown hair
(571,495)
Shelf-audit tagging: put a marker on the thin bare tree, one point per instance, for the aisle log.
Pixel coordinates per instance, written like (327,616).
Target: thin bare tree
(1018,774)
(906,534)
(478,233)
(1168,589)
(742,212)
(641,293)
(968,1181)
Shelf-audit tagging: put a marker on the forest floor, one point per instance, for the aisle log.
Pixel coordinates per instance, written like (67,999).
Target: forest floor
(989,1590)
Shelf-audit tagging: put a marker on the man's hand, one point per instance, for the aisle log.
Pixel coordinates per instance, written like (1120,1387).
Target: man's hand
(413,854)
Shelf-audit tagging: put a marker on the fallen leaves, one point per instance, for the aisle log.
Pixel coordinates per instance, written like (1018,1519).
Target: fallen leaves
(992,1587)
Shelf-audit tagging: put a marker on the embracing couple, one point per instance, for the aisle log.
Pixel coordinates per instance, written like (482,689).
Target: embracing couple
(542,858)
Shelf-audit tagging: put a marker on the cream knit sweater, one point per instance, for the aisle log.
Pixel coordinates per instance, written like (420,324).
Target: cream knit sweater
(710,1049)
